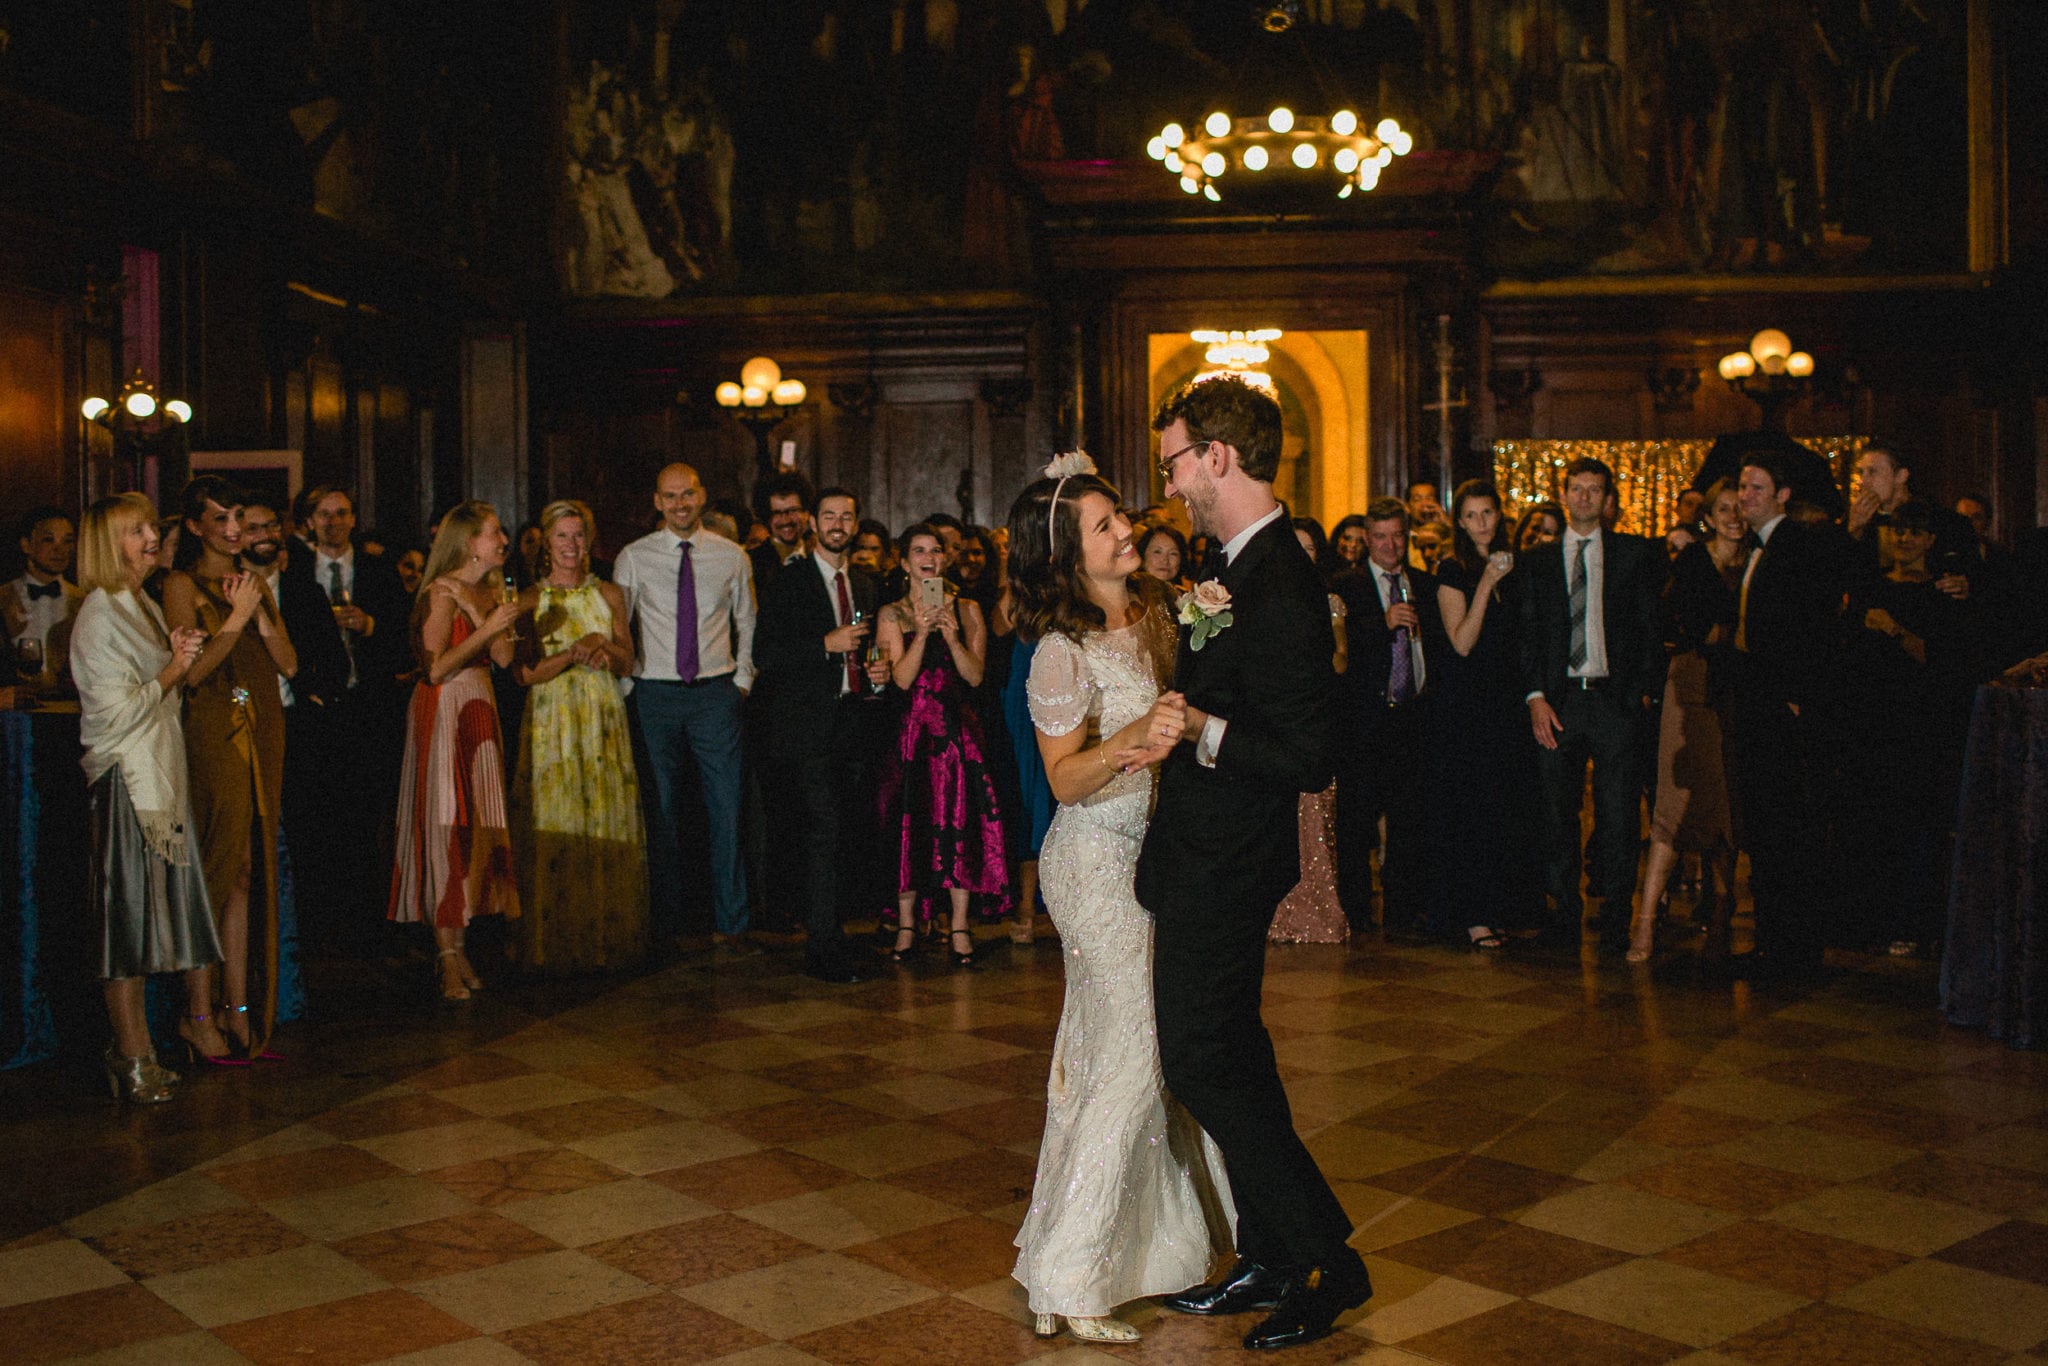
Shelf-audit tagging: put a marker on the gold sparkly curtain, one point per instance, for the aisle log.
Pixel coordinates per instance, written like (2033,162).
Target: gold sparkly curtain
(1648,475)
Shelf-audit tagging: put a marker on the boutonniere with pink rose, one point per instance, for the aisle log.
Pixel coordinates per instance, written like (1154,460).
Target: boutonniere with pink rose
(1205,609)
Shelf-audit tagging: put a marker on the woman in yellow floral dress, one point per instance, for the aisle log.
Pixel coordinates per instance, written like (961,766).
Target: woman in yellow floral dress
(580,840)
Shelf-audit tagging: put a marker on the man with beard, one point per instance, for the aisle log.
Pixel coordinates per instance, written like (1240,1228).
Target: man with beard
(263,554)
(785,506)
(1223,849)
(811,643)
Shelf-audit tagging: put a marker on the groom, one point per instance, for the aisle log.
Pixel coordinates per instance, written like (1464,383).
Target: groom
(1223,850)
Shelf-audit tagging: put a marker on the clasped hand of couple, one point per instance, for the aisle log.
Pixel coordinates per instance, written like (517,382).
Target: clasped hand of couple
(1149,739)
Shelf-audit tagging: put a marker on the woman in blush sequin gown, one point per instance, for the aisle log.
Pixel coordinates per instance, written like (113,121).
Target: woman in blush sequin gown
(938,794)
(1310,913)
(1129,1200)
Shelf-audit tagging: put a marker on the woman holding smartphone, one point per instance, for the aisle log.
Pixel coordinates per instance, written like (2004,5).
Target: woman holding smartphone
(938,795)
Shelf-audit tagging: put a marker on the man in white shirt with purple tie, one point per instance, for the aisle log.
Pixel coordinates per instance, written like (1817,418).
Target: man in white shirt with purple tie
(694,669)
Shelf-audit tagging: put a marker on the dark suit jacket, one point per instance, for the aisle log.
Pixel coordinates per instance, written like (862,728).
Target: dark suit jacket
(1795,599)
(1362,687)
(800,682)
(1633,569)
(1226,837)
(308,619)
(767,562)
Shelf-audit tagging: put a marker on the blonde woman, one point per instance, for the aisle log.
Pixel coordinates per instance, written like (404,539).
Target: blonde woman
(582,847)
(454,853)
(145,878)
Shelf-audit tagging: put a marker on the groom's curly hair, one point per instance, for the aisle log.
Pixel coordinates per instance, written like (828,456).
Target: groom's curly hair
(1225,408)
(1047,595)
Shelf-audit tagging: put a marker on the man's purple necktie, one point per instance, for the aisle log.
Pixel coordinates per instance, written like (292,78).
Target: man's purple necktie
(686,617)
(1400,668)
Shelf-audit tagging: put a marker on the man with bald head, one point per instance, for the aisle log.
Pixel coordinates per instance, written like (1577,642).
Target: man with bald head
(691,597)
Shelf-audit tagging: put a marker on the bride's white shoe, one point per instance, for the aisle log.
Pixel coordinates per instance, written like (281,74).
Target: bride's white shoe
(1088,1330)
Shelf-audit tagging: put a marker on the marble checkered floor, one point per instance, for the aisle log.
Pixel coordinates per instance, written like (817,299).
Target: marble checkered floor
(1547,1162)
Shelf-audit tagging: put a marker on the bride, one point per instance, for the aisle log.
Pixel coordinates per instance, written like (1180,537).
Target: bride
(1130,1200)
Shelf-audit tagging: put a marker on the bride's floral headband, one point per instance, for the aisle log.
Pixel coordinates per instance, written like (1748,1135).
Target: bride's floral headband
(1062,468)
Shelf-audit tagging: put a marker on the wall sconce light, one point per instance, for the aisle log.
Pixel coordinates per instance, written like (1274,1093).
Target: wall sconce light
(136,408)
(1769,374)
(761,399)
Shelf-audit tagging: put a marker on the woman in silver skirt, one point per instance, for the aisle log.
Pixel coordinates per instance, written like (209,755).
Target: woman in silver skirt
(146,878)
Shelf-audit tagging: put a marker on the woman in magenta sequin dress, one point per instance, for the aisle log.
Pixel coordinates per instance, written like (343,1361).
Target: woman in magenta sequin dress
(938,793)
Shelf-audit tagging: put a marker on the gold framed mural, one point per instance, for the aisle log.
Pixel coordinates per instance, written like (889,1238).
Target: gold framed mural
(1648,475)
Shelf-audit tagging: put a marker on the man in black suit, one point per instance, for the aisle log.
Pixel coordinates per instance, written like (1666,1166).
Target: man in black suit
(348,617)
(1222,850)
(810,641)
(1784,631)
(1391,618)
(1592,661)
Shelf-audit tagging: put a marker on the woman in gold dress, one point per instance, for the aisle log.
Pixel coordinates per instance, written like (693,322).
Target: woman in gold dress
(580,840)
(234,743)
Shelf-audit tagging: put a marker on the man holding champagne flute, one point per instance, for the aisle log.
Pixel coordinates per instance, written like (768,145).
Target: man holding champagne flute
(820,672)
(341,759)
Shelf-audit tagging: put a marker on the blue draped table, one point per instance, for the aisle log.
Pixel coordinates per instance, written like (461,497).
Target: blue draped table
(1994,966)
(50,1001)
(45,943)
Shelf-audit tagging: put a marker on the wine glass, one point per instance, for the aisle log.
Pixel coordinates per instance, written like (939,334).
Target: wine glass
(28,658)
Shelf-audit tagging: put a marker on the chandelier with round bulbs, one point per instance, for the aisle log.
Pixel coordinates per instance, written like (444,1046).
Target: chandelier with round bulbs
(1241,354)
(1280,143)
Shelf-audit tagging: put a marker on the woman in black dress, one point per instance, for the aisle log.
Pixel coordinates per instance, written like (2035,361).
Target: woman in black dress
(1907,676)
(1479,727)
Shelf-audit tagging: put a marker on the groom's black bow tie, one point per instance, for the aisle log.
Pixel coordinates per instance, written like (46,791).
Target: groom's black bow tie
(53,589)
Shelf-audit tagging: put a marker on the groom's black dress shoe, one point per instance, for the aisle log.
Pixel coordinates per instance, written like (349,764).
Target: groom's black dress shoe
(1247,1285)
(1310,1307)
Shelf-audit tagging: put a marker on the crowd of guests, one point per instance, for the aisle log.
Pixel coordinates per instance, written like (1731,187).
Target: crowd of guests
(803,720)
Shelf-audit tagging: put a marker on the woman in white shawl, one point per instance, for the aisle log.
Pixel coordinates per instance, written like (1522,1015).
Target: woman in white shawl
(145,877)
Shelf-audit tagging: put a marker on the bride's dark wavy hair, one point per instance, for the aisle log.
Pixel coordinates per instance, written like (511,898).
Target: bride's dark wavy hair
(1047,597)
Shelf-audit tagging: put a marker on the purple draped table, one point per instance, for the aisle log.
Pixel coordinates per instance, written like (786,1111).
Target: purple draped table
(1994,965)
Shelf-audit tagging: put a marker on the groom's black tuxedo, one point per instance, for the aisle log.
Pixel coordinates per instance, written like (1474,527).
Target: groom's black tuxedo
(1221,852)
(1218,833)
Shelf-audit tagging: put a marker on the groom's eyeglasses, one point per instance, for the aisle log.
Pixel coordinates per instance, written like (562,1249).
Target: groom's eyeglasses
(1166,461)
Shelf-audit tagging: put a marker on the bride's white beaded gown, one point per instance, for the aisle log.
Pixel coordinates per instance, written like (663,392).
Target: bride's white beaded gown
(1130,1199)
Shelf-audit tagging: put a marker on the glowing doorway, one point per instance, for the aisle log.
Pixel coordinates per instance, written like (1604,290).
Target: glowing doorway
(1320,380)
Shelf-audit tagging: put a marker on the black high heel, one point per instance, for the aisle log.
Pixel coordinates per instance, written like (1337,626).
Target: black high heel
(964,960)
(192,1049)
(239,1043)
(904,952)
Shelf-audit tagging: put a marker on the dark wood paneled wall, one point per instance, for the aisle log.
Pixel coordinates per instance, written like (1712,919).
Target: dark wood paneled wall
(904,398)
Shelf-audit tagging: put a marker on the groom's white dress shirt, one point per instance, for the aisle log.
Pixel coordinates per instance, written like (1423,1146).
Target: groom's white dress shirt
(1213,728)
